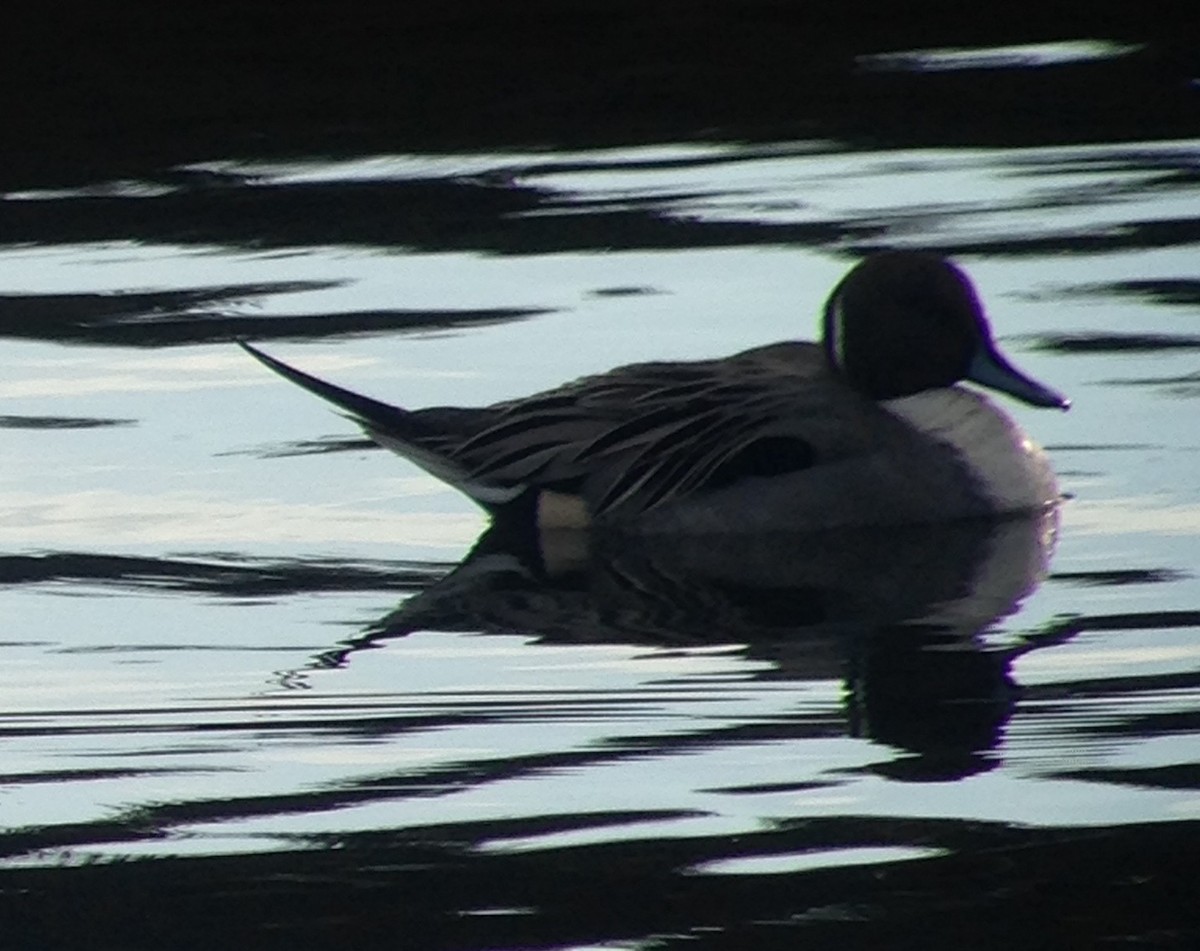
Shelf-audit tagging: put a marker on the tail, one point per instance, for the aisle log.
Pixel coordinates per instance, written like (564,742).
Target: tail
(370,414)
(400,430)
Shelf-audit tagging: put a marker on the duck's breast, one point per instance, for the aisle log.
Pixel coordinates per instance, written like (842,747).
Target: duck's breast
(1010,470)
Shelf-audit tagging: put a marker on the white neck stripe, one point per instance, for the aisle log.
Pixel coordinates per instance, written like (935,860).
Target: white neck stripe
(837,331)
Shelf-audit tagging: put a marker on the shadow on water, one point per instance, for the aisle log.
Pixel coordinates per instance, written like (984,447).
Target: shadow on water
(376,890)
(61,422)
(899,614)
(196,131)
(995,888)
(226,577)
(135,85)
(205,315)
(906,637)
(512,209)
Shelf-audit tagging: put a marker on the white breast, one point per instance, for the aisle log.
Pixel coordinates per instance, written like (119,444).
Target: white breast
(1012,470)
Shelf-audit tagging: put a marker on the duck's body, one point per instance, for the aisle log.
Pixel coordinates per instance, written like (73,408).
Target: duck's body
(866,429)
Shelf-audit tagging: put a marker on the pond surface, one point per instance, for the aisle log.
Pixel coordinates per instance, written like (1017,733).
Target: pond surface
(249,694)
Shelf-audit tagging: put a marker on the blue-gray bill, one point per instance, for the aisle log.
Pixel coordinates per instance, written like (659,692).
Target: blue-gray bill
(988,368)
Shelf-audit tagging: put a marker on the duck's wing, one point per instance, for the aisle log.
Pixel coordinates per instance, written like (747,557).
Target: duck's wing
(628,440)
(640,436)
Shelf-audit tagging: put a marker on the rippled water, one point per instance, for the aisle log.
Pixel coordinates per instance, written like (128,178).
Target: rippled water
(248,692)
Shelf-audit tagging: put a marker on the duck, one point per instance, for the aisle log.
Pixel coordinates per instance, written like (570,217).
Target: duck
(870,426)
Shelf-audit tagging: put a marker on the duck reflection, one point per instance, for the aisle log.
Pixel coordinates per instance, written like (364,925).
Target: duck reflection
(898,614)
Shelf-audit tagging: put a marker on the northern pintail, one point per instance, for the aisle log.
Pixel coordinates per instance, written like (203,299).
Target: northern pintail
(869,427)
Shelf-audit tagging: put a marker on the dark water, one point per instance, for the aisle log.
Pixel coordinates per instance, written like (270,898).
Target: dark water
(265,687)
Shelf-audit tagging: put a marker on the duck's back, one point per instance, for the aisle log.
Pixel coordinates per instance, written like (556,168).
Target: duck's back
(641,437)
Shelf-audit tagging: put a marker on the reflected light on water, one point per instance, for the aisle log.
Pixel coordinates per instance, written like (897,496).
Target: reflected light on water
(806,861)
(182,519)
(1000,57)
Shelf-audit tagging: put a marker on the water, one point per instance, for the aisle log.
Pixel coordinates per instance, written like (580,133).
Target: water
(247,696)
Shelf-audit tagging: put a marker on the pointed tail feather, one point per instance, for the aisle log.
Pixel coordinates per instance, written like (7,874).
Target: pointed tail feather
(399,430)
(371,414)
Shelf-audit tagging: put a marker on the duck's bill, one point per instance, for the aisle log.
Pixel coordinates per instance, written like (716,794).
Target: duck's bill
(990,369)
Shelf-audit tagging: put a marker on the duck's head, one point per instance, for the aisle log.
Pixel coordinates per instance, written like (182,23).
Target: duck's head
(905,321)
